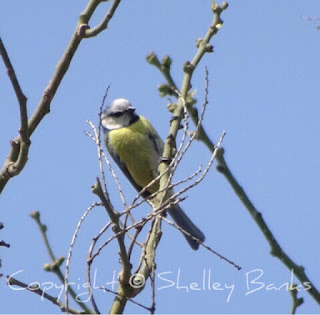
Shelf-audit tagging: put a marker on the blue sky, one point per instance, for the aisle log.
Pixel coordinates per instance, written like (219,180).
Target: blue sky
(264,81)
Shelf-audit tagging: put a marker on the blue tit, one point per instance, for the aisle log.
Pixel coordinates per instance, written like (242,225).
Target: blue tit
(137,148)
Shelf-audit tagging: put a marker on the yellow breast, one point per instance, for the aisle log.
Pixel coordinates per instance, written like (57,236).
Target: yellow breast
(135,149)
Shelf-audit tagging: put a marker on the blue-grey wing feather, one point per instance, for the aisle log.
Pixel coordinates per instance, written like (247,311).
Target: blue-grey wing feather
(157,143)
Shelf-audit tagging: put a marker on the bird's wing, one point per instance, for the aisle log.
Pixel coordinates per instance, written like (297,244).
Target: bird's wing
(156,142)
(157,145)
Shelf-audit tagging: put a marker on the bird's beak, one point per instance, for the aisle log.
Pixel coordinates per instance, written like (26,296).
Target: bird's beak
(131,109)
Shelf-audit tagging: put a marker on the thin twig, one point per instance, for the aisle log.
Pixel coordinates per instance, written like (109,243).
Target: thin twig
(296,302)
(98,143)
(134,241)
(43,231)
(101,153)
(176,195)
(56,263)
(202,244)
(98,139)
(114,216)
(129,299)
(75,234)
(18,156)
(206,170)
(165,205)
(138,224)
(114,175)
(12,281)
(18,91)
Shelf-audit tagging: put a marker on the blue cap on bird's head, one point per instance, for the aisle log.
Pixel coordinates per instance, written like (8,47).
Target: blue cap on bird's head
(119,105)
(118,114)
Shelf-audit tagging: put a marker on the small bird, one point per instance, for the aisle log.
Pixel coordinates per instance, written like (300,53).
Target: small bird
(137,148)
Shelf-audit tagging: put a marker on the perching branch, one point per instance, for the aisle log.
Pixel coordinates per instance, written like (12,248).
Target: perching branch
(18,154)
(188,69)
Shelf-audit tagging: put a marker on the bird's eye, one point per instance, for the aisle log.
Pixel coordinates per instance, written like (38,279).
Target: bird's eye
(116,114)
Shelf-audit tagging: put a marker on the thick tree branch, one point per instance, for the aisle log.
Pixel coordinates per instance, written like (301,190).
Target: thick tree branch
(137,283)
(17,156)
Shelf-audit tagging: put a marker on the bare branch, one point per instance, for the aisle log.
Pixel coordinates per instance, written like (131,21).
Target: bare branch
(4,244)
(104,23)
(20,146)
(56,263)
(223,168)
(296,302)
(22,100)
(202,244)
(276,249)
(17,156)
(129,299)
(97,140)
(183,95)
(12,281)
(89,262)
(114,216)
(65,279)
(137,283)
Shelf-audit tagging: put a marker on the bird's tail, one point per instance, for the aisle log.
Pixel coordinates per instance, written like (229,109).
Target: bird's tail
(184,222)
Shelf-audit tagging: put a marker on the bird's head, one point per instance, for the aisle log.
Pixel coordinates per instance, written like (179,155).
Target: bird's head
(119,114)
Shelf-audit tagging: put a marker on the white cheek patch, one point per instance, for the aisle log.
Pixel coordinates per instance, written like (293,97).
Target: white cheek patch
(111,123)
